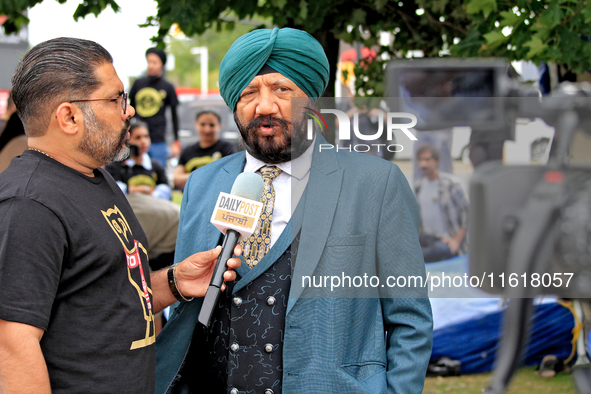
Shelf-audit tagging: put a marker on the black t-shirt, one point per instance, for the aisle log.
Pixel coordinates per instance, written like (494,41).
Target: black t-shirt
(73,261)
(194,157)
(137,174)
(150,96)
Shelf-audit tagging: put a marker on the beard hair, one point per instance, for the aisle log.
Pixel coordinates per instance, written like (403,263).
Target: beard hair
(96,140)
(292,145)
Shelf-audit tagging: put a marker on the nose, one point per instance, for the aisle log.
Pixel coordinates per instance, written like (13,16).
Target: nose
(267,104)
(129,111)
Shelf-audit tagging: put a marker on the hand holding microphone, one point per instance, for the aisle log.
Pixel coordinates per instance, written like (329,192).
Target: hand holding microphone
(194,274)
(236,215)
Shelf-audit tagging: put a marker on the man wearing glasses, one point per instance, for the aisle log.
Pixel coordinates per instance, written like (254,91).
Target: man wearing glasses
(77,300)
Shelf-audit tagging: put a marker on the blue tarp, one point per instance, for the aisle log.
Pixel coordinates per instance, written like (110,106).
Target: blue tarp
(469,329)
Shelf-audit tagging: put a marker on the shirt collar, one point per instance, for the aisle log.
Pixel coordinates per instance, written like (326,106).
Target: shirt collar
(297,168)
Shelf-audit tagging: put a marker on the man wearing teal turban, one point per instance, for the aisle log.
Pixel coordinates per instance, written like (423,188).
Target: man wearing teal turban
(326,214)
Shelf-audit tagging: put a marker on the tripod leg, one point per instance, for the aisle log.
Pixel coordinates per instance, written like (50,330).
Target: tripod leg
(515,332)
(582,358)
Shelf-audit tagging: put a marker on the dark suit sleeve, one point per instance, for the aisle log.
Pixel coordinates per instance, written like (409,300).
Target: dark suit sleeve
(406,312)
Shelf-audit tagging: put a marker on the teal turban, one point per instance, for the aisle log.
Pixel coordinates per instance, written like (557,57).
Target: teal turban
(293,53)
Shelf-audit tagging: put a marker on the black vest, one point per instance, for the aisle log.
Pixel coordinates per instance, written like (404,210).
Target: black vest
(242,351)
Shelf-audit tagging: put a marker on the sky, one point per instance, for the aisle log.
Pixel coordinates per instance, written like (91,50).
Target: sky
(117,32)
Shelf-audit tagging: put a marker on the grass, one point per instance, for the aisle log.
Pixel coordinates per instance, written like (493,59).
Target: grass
(526,381)
(177,196)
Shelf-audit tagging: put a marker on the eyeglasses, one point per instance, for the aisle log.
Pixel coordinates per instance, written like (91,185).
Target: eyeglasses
(123,101)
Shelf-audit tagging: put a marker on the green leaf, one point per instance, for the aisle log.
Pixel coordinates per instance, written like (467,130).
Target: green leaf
(543,33)
(481,6)
(552,17)
(494,39)
(358,16)
(380,4)
(508,18)
(438,6)
(536,46)
(279,3)
(586,12)
(303,14)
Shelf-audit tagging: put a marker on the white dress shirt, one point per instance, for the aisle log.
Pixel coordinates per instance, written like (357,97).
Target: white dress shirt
(289,187)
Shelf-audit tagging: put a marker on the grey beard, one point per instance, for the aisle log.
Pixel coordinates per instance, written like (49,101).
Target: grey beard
(293,145)
(97,146)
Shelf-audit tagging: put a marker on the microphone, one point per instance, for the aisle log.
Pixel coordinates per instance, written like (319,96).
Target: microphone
(236,215)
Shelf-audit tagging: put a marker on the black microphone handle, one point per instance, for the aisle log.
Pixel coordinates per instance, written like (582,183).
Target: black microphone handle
(213,292)
(230,241)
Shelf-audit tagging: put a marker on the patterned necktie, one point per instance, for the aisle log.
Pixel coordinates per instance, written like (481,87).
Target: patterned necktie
(258,244)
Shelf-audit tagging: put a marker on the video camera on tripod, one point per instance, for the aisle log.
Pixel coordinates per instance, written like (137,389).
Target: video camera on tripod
(529,225)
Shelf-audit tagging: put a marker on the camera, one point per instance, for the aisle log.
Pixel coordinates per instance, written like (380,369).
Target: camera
(449,92)
(511,203)
(134,150)
(528,224)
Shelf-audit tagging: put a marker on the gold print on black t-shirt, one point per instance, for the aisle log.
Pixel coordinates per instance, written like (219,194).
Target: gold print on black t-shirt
(143,180)
(198,162)
(132,250)
(148,101)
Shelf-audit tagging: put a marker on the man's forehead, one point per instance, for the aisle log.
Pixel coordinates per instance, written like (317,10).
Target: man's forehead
(426,153)
(153,57)
(269,79)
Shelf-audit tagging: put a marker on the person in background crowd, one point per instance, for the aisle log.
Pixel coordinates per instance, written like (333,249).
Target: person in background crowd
(140,173)
(209,148)
(150,96)
(442,140)
(10,109)
(13,140)
(443,207)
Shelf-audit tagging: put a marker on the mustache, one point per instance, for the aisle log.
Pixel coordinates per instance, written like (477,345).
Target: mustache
(125,129)
(267,121)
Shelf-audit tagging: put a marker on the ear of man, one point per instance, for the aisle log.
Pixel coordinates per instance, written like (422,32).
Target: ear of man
(70,119)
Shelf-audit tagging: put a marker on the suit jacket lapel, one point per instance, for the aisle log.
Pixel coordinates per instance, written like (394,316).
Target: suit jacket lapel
(322,194)
(273,255)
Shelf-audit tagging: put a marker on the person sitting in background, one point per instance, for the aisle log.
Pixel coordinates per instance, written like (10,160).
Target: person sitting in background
(146,185)
(443,209)
(209,148)
(10,109)
(140,173)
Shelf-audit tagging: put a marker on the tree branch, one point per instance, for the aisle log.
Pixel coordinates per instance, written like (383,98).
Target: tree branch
(444,23)
(403,16)
(574,14)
